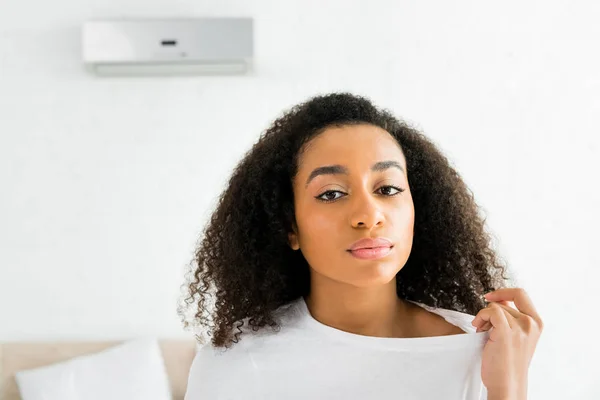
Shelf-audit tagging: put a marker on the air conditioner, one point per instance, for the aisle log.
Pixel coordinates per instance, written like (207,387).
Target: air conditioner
(168,47)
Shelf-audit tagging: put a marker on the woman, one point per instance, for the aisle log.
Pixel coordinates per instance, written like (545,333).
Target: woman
(347,259)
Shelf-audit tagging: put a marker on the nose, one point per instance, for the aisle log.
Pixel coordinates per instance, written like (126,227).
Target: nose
(366,213)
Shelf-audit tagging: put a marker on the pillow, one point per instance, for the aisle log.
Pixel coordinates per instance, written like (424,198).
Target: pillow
(130,371)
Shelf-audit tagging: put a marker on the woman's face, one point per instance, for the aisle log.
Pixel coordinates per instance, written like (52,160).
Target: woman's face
(352,199)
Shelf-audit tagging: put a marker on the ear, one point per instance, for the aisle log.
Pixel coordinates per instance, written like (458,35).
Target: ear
(293,238)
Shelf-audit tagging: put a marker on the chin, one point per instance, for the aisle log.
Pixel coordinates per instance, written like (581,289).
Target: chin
(377,274)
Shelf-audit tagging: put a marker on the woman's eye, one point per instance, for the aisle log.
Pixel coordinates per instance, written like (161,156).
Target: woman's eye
(330,195)
(397,189)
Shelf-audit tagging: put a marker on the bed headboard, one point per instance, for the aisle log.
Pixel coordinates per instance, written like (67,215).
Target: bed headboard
(178,356)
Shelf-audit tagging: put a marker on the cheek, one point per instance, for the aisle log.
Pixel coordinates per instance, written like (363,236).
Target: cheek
(319,227)
(320,242)
(402,221)
(404,217)
(317,219)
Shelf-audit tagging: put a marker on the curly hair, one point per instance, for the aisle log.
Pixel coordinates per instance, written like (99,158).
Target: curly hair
(244,257)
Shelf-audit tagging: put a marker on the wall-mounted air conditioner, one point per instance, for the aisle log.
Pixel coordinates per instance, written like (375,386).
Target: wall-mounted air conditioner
(168,47)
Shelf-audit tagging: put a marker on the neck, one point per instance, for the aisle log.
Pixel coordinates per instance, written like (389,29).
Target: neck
(369,311)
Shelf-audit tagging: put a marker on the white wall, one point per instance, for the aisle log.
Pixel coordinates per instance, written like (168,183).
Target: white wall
(106,183)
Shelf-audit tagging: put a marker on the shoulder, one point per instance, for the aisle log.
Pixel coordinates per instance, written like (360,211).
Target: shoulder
(226,372)
(218,371)
(442,322)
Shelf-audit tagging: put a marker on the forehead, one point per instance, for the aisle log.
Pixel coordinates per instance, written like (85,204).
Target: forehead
(357,146)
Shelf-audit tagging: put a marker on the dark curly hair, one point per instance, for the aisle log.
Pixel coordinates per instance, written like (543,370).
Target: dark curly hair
(244,268)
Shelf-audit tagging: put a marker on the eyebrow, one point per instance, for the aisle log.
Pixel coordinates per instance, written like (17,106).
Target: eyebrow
(341,170)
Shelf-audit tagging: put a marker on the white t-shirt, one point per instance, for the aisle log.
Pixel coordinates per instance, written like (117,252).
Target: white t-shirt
(310,360)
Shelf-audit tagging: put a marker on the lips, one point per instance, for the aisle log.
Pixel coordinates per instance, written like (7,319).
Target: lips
(371,243)
(371,253)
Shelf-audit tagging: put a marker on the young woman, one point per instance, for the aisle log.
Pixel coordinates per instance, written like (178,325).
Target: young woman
(347,259)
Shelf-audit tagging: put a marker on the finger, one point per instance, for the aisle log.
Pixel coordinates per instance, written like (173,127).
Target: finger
(501,324)
(503,304)
(497,316)
(518,296)
(485,327)
(509,309)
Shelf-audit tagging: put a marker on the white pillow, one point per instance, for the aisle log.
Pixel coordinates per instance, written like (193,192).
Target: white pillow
(130,371)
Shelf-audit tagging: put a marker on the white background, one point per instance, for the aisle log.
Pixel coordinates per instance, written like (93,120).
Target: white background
(105,184)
